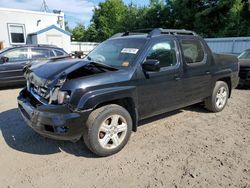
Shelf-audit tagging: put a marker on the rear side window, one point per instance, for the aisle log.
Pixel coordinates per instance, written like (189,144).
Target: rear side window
(39,53)
(193,51)
(59,53)
(164,52)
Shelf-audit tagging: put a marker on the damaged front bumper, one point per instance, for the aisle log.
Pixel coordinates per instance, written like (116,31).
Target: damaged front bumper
(53,121)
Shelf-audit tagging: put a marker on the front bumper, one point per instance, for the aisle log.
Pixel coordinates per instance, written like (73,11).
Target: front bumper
(53,121)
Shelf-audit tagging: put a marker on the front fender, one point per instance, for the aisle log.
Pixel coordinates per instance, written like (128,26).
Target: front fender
(93,98)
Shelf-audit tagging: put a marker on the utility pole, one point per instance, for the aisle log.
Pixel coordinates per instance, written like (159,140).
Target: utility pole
(44,7)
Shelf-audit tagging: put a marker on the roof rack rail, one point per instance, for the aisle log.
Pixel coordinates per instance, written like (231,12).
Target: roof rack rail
(154,32)
(177,31)
(127,33)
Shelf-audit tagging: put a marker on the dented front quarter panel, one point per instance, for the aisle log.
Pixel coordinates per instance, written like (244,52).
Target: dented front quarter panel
(90,91)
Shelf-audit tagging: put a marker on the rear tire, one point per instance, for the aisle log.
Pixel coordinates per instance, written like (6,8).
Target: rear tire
(218,100)
(107,130)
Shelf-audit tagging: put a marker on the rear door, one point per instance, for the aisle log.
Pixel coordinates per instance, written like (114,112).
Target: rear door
(159,92)
(197,82)
(12,71)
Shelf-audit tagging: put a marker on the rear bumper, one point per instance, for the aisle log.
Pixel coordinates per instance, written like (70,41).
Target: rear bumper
(53,121)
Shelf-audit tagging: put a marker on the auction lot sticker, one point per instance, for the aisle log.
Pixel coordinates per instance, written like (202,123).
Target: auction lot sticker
(130,50)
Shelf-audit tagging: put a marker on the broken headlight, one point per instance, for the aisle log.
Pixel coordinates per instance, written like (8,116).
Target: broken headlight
(62,97)
(59,96)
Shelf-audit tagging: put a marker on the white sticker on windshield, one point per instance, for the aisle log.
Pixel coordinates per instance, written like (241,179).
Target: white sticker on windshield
(130,50)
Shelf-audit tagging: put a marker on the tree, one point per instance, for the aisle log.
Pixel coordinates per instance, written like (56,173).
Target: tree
(238,23)
(107,18)
(184,12)
(78,33)
(211,21)
(158,14)
(209,18)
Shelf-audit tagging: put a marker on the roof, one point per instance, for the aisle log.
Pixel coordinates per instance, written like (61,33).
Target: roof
(49,28)
(155,32)
(30,11)
(30,45)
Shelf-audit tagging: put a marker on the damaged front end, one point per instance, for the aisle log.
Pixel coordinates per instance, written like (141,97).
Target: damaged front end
(45,84)
(47,92)
(44,103)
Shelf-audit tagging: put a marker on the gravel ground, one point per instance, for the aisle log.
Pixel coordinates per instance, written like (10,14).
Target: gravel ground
(185,148)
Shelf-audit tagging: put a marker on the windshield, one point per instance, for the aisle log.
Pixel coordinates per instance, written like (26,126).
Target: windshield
(245,55)
(117,52)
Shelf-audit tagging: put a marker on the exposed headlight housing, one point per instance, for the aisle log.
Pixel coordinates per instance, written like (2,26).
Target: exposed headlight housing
(59,97)
(62,97)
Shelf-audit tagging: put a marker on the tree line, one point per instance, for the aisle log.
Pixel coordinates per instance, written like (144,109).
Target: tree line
(209,18)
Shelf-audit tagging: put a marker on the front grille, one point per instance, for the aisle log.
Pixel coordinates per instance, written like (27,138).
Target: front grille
(41,91)
(24,112)
(39,94)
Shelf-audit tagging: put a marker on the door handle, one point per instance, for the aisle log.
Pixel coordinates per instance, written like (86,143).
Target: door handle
(207,72)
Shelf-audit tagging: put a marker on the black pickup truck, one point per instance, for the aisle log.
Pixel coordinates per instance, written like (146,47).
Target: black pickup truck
(129,77)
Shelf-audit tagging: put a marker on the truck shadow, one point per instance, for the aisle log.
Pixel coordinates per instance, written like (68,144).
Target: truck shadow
(194,108)
(22,138)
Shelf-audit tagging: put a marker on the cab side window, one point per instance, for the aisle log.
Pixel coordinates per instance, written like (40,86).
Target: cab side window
(164,52)
(193,51)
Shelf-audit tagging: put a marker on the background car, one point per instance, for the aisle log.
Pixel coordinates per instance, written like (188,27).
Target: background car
(13,60)
(244,74)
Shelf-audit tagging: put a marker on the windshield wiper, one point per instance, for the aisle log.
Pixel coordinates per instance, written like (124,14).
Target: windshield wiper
(101,65)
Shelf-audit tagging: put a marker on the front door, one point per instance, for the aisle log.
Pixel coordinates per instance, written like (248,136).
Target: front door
(158,92)
(12,70)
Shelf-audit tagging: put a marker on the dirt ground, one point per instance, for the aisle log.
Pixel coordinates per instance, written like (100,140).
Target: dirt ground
(185,148)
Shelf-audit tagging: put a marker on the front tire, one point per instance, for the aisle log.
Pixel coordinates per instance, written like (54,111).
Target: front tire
(219,98)
(108,130)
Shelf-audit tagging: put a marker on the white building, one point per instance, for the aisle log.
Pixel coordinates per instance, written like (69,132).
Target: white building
(22,26)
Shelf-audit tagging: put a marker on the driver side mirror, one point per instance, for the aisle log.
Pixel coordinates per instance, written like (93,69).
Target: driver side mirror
(151,65)
(3,60)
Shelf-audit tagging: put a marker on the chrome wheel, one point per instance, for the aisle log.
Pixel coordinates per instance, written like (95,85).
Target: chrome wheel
(221,97)
(112,131)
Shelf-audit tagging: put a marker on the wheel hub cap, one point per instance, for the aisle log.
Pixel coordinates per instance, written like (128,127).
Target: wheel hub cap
(112,132)
(221,97)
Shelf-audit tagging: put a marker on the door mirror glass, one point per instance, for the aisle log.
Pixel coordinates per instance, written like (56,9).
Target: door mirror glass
(3,59)
(151,65)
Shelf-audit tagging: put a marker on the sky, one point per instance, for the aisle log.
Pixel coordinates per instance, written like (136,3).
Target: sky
(76,11)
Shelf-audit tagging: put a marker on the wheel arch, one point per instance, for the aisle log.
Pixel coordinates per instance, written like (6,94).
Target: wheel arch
(227,80)
(126,103)
(124,96)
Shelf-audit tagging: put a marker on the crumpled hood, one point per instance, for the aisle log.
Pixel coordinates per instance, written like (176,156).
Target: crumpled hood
(51,69)
(56,73)
(44,72)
